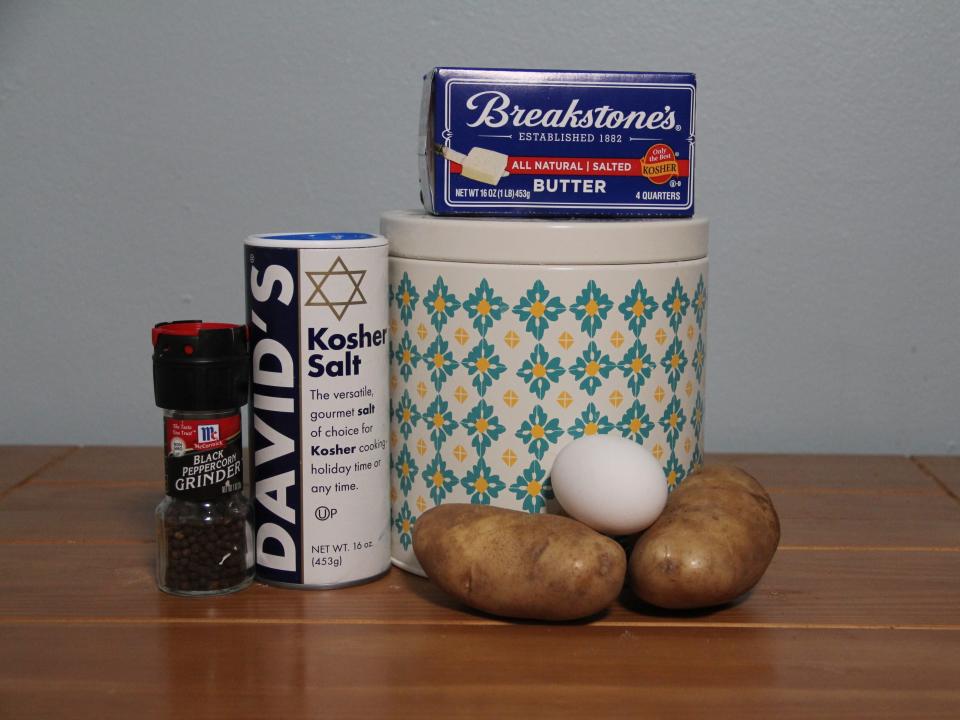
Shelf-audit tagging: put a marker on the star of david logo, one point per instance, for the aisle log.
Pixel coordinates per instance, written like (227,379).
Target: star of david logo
(337,288)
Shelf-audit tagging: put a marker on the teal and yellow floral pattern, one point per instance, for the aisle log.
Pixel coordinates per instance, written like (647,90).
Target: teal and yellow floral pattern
(533,488)
(637,308)
(675,305)
(484,307)
(700,301)
(592,368)
(674,362)
(439,419)
(439,358)
(439,479)
(674,471)
(636,366)
(482,426)
(406,298)
(406,469)
(673,421)
(591,308)
(406,415)
(696,460)
(406,356)
(441,304)
(537,309)
(696,417)
(540,370)
(481,484)
(490,378)
(636,423)
(539,432)
(404,522)
(484,366)
(698,359)
(590,422)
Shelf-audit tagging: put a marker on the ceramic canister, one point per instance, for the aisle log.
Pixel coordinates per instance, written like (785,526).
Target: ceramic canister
(512,337)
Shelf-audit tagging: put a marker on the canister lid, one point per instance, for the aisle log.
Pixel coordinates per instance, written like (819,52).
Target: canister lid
(523,241)
(316,240)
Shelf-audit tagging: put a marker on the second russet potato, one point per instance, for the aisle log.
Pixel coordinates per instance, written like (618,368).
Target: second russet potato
(713,542)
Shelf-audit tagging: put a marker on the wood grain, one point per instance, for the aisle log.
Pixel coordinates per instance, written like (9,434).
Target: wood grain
(887,474)
(801,588)
(518,671)
(47,512)
(19,462)
(108,466)
(857,616)
(858,520)
(945,470)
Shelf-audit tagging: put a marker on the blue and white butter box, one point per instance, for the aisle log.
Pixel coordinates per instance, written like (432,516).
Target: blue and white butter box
(557,143)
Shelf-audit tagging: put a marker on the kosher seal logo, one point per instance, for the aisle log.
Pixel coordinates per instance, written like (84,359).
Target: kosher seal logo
(660,164)
(336,288)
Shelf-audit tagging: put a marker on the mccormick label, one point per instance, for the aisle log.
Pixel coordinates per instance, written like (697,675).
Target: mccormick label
(204,458)
(317,313)
(547,142)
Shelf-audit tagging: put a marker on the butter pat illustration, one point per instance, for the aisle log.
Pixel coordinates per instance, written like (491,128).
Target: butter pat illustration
(562,143)
(480,164)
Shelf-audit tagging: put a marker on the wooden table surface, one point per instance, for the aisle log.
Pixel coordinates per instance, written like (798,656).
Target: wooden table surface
(858,615)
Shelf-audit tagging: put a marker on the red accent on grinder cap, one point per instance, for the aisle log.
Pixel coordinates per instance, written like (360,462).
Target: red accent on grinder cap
(189,328)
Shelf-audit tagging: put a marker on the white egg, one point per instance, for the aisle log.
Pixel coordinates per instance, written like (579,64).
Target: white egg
(609,483)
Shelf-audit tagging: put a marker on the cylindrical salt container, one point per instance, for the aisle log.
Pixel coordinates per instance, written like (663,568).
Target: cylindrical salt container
(511,337)
(319,408)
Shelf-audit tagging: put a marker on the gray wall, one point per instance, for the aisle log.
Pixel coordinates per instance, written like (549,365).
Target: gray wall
(141,141)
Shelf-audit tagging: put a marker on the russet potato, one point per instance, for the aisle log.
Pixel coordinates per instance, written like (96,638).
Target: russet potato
(518,565)
(713,542)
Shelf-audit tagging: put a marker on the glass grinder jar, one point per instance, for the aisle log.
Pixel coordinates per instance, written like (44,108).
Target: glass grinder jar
(204,529)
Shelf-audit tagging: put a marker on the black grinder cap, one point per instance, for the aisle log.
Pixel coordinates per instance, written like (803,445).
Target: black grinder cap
(200,366)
